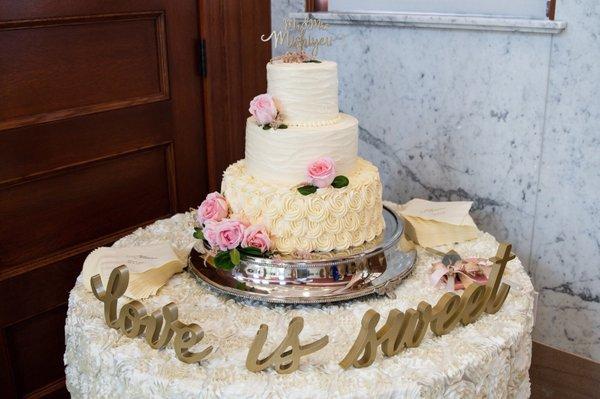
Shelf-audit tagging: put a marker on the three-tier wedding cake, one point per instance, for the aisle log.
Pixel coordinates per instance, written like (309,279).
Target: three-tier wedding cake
(302,186)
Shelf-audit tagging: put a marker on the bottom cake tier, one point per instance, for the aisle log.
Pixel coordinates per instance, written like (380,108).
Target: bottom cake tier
(329,219)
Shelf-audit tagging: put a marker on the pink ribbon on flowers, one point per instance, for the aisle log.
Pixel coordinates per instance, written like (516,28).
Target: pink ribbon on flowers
(461,274)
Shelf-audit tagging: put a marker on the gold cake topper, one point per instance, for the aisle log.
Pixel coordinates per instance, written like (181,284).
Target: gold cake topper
(297,35)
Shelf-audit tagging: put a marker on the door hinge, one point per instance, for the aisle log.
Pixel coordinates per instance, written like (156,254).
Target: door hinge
(202,57)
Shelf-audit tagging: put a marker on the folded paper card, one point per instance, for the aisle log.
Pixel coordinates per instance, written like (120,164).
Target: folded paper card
(150,267)
(431,224)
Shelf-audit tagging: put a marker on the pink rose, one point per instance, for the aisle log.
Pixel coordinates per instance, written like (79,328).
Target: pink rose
(214,208)
(321,172)
(229,234)
(262,107)
(256,236)
(210,233)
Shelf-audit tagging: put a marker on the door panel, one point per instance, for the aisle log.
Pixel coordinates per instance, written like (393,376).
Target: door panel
(62,67)
(37,355)
(25,152)
(93,201)
(39,290)
(101,131)
(236,70)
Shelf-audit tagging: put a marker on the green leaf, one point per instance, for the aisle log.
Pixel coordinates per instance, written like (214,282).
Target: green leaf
(266,127)
(223,260)
(340,181)
(235,257)
(307,190)
(252,251)
(315,61)
(282,126)
(198,233)
(241,286)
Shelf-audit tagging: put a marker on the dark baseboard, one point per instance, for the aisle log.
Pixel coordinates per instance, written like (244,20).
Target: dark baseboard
(558,374)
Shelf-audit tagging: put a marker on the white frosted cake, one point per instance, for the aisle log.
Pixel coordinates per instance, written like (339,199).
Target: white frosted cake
(292,154)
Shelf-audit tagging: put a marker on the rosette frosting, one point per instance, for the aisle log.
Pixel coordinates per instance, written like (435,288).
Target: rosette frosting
(330,219)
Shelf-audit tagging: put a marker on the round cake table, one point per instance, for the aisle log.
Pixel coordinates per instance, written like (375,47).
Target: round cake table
(489,358)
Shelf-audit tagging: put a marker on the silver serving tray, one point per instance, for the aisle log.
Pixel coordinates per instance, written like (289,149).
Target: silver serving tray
(319,277)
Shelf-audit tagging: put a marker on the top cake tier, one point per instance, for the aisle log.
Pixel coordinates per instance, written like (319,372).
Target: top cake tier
(306,94)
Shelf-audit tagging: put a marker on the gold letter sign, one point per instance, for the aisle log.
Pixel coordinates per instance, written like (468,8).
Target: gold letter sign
(408,329)
(401,330)
(133,319)
(283,362)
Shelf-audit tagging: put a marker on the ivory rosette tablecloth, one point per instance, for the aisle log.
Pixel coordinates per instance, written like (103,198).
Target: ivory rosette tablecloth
(489,358)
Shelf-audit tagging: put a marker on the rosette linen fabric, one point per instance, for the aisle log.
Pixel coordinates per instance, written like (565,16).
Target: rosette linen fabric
(489,358)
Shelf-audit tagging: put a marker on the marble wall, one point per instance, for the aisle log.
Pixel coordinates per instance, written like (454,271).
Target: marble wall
(565,261)
(508,120)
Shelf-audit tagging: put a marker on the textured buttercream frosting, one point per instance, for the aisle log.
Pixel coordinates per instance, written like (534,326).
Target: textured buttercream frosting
(306,94)
(330,219)
(282,156)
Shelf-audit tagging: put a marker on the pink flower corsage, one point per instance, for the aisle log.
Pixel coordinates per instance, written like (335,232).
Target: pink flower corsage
(320,174)
(209,233)
(264,110)
(213,208)
(229,236)
(461,274)
(256,237)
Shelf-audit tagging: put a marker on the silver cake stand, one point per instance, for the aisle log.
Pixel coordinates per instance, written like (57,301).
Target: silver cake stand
(376,267)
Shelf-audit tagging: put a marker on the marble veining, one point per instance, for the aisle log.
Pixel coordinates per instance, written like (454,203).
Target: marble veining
(508,120)
(444,129)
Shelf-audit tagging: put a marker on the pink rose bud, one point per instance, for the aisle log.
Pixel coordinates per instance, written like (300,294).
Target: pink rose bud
(229,234)
(256,236)
(262,107)
(321,172)
(214,208)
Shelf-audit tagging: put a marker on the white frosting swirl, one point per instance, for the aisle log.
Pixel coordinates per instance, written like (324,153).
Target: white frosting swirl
(316,209)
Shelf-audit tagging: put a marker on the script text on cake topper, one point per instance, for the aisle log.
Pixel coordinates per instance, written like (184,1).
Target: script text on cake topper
(296,35)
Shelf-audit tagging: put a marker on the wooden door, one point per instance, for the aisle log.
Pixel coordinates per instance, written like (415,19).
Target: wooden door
(236,69)
(101,131)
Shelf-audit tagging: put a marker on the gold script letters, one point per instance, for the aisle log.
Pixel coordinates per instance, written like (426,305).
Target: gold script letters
(295,35)
(133,319)
(408,329)
(284,361)
(401,330)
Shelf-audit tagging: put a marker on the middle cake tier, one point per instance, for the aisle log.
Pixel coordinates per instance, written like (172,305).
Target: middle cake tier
(283,155)
(329,219)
